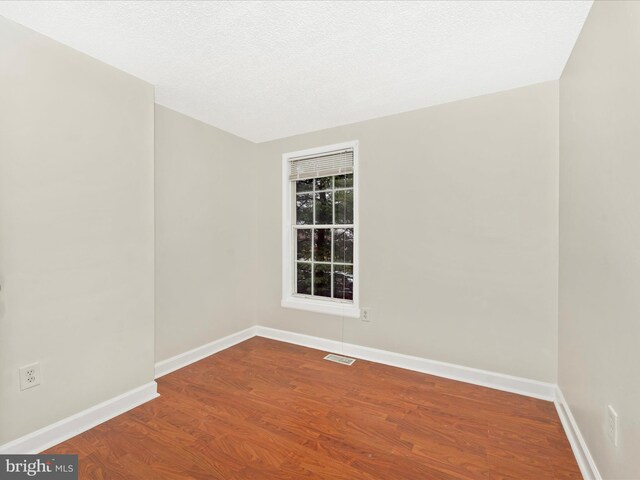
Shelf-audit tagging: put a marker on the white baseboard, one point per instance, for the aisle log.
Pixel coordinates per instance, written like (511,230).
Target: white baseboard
(499,381)
(583,456)
(66,428)
(71,426)
(174,363)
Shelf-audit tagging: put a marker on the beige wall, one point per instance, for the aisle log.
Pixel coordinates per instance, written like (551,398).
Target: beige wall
(204,249)
(459,232)
(459,227)
(76,230)
(599,322)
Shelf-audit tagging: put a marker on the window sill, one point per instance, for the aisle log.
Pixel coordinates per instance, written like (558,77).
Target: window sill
(319,306)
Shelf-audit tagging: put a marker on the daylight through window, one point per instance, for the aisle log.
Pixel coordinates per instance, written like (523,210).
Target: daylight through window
(324,237)
(321,244)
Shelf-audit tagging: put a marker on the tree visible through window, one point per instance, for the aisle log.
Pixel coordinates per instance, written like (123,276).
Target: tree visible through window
(320,230)
(324,233)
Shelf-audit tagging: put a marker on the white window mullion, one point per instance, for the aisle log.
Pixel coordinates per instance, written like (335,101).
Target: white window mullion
(294,240)
(332,161)
(313,256)
(331,262)
(335,225)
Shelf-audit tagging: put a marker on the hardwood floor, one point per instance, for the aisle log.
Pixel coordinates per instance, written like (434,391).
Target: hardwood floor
(271,410)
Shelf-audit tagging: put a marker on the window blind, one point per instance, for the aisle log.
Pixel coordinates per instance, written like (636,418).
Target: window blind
(323,165)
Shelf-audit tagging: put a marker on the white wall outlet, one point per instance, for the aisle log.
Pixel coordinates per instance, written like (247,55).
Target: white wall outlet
(365,315)
(612,425)
(29,376)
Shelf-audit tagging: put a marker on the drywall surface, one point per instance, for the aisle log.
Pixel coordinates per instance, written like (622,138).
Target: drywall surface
(204,249)
(76,230)
(599,300)
(459,233)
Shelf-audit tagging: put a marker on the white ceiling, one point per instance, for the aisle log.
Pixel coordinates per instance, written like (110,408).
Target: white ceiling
(266,70)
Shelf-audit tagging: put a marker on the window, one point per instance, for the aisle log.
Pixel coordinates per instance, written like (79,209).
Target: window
(320,230)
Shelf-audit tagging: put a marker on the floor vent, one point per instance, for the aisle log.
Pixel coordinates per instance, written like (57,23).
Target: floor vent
(340,359)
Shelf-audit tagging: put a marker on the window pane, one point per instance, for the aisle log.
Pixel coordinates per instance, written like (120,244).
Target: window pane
(344,181)
(324,208)
(322,280)
(304,185)
(344,206)
(304,209)
(324,183)
(322,244)
(304,244)
(303,278)
(343,245)
(343,282)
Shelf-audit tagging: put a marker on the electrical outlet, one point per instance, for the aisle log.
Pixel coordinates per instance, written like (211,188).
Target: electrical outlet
(366,315)
(612,425)
(30,376)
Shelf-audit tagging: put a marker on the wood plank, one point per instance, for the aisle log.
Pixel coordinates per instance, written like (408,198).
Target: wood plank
(270,410)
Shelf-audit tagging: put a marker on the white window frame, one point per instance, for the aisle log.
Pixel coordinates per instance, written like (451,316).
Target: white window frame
(289,300)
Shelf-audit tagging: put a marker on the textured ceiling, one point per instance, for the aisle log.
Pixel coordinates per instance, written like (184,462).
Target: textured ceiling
(265,70)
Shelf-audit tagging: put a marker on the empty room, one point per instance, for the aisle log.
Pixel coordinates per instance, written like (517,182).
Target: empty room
(350,240)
